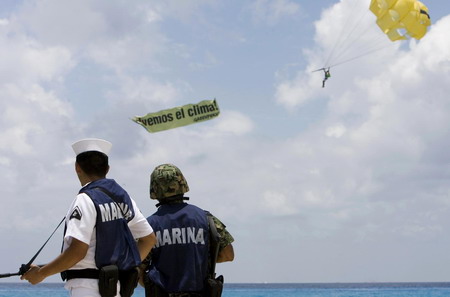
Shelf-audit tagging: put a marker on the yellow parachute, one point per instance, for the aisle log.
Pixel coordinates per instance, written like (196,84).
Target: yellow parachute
(398,19)
(401,19)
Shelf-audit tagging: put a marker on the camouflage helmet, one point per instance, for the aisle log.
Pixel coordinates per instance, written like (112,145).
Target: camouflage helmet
(167,180)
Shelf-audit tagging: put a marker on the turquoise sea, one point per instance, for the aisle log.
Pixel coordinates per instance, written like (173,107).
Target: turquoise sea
(267,290)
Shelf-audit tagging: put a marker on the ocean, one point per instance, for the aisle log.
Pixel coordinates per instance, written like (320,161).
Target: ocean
(23,289)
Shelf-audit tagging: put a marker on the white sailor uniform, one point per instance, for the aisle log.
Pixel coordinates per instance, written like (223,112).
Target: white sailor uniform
(80,224)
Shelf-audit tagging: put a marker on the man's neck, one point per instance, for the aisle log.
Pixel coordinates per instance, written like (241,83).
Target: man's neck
(89,179)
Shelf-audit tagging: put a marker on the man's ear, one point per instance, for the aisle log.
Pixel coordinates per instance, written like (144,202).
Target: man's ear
(107,170)
(77,168)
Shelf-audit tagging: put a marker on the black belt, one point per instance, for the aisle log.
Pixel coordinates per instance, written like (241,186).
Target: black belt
(82,273)
(181,294)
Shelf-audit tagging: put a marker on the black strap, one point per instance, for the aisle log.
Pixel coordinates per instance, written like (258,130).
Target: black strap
(112,197)
(24,268)
(171,200)
(108,193)
(90,273)
(82,273)
(214,245)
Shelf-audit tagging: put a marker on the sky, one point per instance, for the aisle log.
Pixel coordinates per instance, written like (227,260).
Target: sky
(347,183)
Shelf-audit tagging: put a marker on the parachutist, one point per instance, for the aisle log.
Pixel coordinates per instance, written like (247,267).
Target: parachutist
(327,76)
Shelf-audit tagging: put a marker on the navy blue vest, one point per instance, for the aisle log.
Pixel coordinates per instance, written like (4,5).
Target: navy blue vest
(115,242)
(180,257)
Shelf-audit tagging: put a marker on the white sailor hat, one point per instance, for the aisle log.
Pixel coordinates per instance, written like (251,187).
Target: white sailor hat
(91,144)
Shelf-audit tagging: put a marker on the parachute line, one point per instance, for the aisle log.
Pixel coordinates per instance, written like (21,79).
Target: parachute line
(360,50)
(356,39)
(347,42)
(338,40)
(360,56)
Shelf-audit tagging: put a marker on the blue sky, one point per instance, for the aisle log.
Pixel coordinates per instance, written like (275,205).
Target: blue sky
(347,183)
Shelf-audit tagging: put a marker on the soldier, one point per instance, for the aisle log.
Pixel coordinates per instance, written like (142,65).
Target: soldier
(179,261)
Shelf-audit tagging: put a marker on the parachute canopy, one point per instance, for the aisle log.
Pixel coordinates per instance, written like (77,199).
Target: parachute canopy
(401,19)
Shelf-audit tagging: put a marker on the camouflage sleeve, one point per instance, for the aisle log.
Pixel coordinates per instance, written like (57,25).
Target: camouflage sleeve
(225,236)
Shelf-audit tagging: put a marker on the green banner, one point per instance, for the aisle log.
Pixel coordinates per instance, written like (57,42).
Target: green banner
(179,116)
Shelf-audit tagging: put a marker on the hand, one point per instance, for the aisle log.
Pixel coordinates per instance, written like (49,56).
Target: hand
(141,275)
(33,275)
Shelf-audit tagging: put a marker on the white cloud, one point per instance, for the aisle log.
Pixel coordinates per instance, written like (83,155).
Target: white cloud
(26,61)
(183,10)
(103,32)
(147,92)
(335,131)
(28,111)
(297,91)
(234,122)
(153,16)
(371,168)
(272,11)
(63,22)
(277,203)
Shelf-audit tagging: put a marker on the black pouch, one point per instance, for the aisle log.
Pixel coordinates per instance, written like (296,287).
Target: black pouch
(214,287)
(128,281)
(153,290)
(107,281)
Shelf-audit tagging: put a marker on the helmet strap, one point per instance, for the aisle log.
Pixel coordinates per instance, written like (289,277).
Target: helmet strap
(171,200)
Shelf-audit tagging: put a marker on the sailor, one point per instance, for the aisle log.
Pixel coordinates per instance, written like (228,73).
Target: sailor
(104,227)
(179,261)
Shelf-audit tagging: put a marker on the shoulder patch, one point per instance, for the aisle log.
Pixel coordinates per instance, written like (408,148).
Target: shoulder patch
(76,214)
